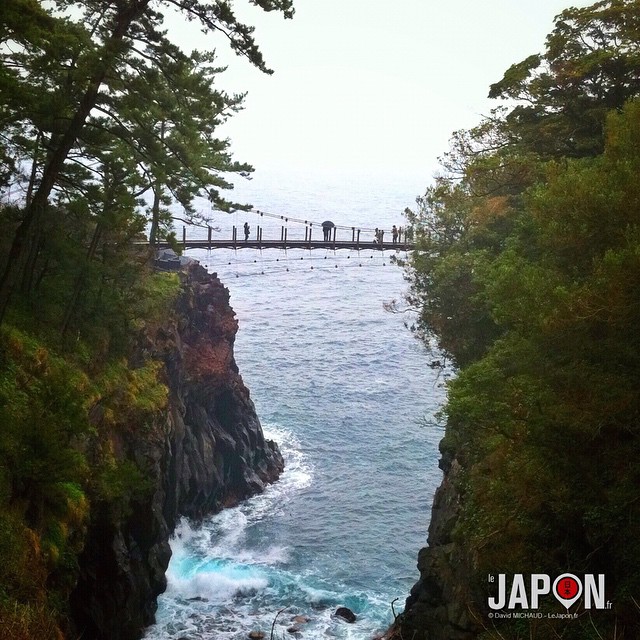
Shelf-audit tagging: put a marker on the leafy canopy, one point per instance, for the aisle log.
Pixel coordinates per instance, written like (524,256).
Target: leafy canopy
(527,274)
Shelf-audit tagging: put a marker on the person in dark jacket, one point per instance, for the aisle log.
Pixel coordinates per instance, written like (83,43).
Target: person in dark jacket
(327,226)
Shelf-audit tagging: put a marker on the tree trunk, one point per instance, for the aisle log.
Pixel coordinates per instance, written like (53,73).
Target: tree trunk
(34,169)
(155,216)
(80,280)
(35,240)
(33,251)
(155,209)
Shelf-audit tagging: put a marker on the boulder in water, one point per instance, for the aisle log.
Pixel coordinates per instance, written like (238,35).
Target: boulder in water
(346,614)
(300,619)
(256,635)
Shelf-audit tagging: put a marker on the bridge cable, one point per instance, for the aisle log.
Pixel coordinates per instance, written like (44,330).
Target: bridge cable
(308,222)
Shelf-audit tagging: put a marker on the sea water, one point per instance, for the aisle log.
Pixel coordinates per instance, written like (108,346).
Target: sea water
(349,395)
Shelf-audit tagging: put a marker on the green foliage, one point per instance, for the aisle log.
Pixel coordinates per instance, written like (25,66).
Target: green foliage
(527,273)
(98,108)
(160,294)
(128,396)
(547,420)
(590,66)
(21,574)
(26,621)
(42,409)
(60,416)
(119,484)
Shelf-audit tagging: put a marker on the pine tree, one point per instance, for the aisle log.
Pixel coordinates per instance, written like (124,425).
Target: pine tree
(111,33)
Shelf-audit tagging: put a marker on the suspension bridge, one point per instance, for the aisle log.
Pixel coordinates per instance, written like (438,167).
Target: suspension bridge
(325,235)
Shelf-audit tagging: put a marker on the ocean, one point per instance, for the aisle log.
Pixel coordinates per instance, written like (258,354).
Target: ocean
(347,392)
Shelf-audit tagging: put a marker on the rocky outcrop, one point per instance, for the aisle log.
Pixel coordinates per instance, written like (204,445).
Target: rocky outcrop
(346,614)
(205,452)
(442,604)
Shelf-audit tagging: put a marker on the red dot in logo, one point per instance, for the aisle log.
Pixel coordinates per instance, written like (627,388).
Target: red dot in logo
(567,588)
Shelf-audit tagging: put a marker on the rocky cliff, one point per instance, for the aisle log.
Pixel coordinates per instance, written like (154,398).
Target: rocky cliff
(205,452)
(443,603)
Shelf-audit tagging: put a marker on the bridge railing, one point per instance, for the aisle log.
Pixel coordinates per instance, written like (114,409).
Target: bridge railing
(351,239)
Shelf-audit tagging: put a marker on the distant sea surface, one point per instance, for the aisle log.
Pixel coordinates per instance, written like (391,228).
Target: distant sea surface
(348,394)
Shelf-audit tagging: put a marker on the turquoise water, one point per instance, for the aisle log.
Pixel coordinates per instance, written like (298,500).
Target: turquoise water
(347,393)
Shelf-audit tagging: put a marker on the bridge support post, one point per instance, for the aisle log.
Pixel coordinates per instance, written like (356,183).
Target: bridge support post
(235,236)
(334,238)
(285,237)
(209,237)
(353,234)
(184,237)
(358,241)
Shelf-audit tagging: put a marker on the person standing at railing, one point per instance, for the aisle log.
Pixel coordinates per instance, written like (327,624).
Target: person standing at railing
(327,227)
(247,229)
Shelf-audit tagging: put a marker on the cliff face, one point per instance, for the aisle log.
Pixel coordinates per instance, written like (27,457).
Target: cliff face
(442,603)
(206,452)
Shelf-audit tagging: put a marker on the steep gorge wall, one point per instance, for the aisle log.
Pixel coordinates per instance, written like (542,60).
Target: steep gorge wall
(444,602)
(206,452)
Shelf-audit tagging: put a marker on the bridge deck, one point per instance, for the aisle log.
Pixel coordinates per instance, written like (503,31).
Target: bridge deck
(292,244)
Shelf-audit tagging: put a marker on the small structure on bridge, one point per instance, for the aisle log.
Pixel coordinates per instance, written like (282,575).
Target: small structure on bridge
(169,260)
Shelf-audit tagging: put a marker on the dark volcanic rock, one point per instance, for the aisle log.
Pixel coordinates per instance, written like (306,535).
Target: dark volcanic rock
(346,614)
(205,452)
(440,604)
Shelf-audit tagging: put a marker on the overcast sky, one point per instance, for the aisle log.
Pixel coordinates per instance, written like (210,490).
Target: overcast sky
(373,85)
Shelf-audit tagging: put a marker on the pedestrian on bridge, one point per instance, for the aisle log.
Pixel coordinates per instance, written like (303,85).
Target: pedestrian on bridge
(246,231)
(394,234)
(327,226)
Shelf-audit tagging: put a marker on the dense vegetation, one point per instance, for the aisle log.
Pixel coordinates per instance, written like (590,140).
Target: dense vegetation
(104,123)
(527,275)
